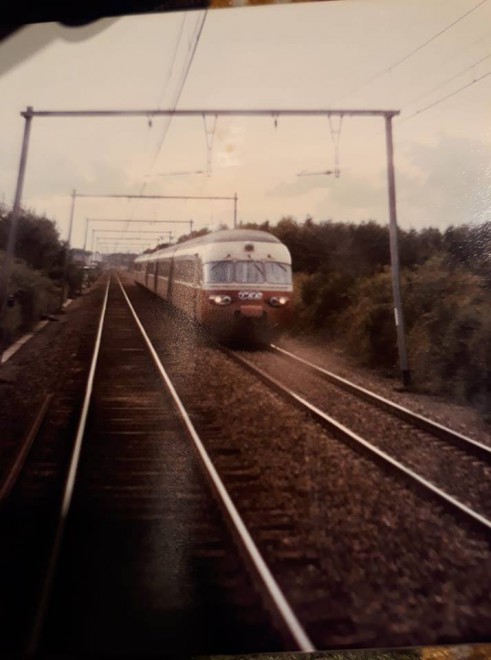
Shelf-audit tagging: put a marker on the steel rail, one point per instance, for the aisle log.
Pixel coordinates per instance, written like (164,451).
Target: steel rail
(41,610)
(287,617)
(25,448)
(474,447)
(356,442)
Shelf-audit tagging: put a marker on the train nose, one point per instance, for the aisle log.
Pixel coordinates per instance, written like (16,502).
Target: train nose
(251,311)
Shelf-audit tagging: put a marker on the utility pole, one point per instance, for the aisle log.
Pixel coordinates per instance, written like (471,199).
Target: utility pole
(64,284)
(235,211)
(14,217)
(85,240)
(394,257)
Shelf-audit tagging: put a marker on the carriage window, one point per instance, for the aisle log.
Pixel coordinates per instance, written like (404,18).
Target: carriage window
(164,267)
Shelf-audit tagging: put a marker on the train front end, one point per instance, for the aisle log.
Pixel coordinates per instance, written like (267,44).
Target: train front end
(246,295)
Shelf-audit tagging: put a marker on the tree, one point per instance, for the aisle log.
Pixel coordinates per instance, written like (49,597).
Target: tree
(37,242)
(194,234)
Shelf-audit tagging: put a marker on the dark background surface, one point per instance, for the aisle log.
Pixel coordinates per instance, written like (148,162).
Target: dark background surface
(16,13)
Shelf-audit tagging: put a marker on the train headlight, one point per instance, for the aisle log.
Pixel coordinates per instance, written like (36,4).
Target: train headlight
(278,301)
(220,300)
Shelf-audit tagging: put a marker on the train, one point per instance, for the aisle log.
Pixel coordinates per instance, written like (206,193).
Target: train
(235,283)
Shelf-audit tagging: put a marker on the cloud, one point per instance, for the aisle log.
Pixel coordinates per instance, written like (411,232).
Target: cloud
(302,185)
(66,173)
(450,184)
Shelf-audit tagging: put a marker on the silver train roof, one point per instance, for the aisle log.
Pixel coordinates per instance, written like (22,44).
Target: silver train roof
(230,235)
(223,236)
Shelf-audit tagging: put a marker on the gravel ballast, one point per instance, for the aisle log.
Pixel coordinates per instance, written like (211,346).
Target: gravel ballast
(364,561)
(464,419)
(458,473)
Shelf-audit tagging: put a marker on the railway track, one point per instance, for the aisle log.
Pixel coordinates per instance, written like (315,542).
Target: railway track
(471,457)
(149,552)
(327,517)
(459,440)
(313,537)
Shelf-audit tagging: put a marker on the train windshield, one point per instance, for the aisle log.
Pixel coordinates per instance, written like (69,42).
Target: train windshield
(248,272)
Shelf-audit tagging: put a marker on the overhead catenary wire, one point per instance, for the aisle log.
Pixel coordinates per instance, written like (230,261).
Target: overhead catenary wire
(180,87)
(169,73)
(415,50)
(444,98)
(187,67)
(449,80)
(173,59)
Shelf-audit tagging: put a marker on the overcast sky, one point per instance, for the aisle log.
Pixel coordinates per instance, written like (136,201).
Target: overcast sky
(313,55)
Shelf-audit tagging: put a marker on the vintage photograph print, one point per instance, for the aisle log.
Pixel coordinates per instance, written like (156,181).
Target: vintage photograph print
(245,332)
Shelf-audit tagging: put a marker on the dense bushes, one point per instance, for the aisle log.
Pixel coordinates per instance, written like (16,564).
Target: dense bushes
(33,296)
(448,328)
(35,282)
(344,291)
(367,326)
(37,242)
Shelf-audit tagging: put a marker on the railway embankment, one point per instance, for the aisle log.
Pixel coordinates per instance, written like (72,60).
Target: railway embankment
(44,365)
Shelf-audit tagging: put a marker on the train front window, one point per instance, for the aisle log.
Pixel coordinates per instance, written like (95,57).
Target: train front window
(277,273)
(248,272)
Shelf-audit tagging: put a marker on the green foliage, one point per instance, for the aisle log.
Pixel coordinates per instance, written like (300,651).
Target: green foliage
(417,247)
(449,330)
(367,326)
(40,259)
(33,295)
(470,246)
(37,242)
(323,296)
(344,290)
(349,249)
(194,234)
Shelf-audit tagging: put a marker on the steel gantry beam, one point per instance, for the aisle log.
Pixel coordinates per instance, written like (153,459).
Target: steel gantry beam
(137,244)
(232,198)
(155,232)
(101,234)
(217,112)
(387,115)
(164,222)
